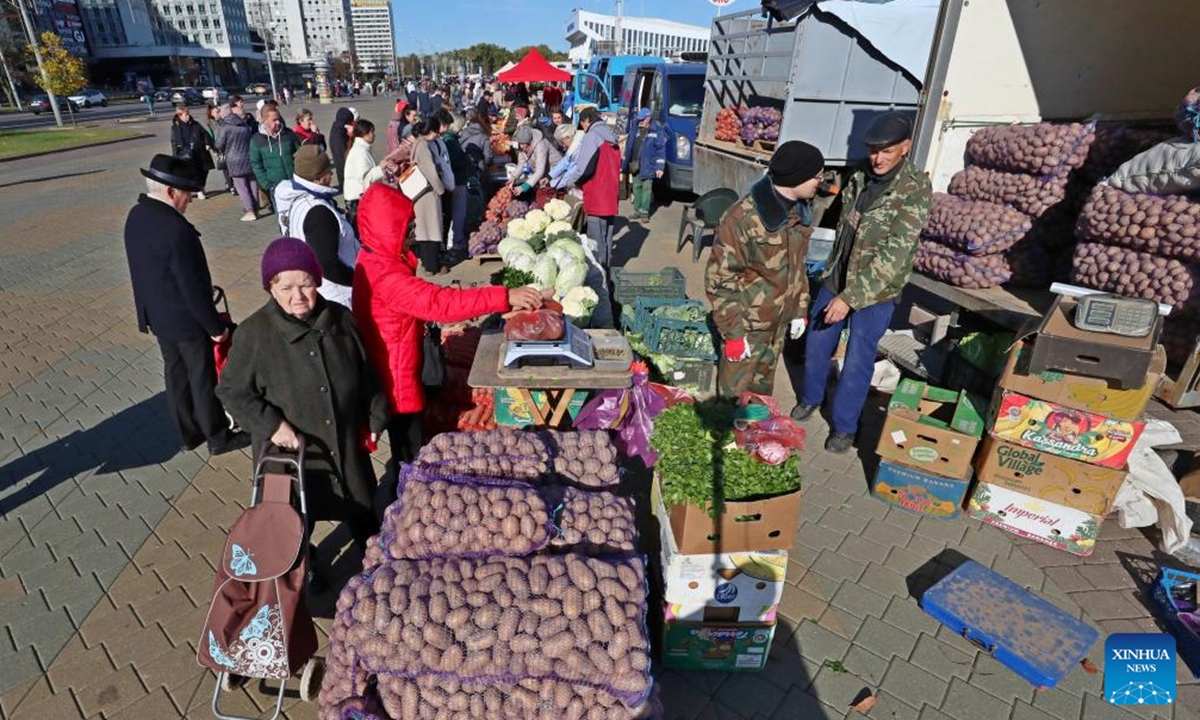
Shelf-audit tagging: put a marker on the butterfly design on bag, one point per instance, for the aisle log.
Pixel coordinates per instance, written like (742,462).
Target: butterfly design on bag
(242,564)
(258,625)
(217,654)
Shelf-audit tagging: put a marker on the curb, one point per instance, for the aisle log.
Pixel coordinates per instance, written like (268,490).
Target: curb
(76,147)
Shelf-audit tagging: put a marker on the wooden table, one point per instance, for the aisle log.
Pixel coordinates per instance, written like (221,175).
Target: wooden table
(558,382)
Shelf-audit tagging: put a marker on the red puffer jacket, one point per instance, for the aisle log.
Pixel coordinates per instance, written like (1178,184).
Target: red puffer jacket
(391,304)
(600,187)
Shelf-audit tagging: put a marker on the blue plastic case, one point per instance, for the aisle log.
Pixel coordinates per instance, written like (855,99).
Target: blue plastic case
(1030,636)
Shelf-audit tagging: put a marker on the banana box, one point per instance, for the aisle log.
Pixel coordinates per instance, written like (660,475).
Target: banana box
(918,491)
(1049,523)
(721,587)
(1090,488)
(1063,431)
(932,429)
(723,647)
(1081,392)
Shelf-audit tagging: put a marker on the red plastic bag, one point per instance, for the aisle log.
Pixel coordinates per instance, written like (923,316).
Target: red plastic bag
(760,428)
(535,325)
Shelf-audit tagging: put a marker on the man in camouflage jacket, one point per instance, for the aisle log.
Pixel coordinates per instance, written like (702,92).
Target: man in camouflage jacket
(756,277)
(884,206)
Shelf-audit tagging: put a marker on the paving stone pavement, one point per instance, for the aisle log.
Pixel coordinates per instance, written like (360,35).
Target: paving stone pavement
(108,536)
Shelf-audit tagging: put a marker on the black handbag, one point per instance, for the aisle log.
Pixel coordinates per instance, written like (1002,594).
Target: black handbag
(433,369)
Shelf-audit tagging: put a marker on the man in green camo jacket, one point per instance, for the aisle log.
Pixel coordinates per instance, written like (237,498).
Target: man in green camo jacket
(884,206)
(756,277)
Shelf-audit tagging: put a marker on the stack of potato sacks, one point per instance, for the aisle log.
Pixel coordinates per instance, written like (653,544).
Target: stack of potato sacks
(998,221)
(1139,233)
(504,585)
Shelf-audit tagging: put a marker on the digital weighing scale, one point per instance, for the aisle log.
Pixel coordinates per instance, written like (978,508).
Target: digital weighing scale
(575,349)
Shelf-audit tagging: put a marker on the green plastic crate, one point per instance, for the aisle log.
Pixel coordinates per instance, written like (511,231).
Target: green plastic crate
(695,376)
(642,315)
(661,338)
(666,283)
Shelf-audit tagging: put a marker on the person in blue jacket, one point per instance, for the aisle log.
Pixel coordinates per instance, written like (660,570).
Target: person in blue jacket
(645,161)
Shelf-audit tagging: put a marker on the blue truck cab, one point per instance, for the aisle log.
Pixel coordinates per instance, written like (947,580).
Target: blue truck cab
(674,93)
(601,84)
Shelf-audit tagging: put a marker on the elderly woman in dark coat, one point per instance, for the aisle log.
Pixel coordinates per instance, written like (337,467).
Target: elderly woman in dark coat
(298,367)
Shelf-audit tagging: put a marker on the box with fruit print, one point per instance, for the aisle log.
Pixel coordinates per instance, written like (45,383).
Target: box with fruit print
(919,491)
(1029,517)
(1063,431)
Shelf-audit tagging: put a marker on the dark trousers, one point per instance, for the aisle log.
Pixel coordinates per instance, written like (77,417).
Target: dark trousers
(191,378)
(866,328)
(428,253)
(404,435)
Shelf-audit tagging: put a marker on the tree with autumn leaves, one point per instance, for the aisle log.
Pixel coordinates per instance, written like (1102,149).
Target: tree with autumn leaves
(62,72)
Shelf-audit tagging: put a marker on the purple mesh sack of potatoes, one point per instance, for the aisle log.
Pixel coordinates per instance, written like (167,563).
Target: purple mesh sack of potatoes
(1029,194)
(1166,225)
(1136,274)
(974,227)
(1041,149)
(978,273)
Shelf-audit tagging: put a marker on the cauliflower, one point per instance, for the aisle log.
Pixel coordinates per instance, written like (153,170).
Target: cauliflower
(520,228)
(557,209)
(578,304)
(556,227)
(538,219)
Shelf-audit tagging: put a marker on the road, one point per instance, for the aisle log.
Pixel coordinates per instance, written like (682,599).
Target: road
(27,120)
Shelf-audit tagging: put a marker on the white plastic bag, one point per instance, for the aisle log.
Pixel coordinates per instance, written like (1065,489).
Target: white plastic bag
(1150,493)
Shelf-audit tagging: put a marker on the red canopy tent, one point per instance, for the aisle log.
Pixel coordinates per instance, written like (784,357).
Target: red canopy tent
(534,68)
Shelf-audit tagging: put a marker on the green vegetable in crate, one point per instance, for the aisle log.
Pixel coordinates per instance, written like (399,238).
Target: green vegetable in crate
(700,464)
(689,312)
(697,341)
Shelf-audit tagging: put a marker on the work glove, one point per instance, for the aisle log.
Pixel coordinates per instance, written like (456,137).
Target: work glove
(797,328)
(737,350)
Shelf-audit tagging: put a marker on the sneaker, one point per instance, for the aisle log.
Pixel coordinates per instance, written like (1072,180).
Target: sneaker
(250,217)
(839,443)
(228,442)
(201,196)
(802,412)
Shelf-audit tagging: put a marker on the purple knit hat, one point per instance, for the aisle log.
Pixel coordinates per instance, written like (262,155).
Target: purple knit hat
(289,253)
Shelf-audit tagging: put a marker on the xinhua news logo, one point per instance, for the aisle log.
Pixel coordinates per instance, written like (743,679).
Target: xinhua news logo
(1139,669)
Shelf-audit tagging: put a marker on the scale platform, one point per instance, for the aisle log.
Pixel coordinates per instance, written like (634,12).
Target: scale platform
(574,350)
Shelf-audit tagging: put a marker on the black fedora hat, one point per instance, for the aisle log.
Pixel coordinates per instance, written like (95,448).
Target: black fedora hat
(175,172)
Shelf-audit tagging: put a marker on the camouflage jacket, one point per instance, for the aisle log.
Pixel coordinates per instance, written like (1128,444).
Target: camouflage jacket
(756,277)
(883,240)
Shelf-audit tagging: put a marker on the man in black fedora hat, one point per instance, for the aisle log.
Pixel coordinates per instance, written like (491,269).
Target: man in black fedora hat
(173,294)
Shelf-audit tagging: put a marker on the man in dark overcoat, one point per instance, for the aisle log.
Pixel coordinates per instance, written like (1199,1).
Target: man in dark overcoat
(173,294)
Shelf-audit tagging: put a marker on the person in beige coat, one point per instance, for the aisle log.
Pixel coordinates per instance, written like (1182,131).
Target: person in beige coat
(428,234)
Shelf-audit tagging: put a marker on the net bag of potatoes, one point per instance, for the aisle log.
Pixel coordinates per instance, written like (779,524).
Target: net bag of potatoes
(1128,272)
(441,515)
(586,459)
(973,227)
(1166,225)
(960,270)
(562,618)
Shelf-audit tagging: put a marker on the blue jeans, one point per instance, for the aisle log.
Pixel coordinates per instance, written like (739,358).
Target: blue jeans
(866,328)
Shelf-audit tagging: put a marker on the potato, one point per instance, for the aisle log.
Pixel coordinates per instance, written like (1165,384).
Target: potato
(1137,274)
(974,227)
(1164,225)
(1040,149)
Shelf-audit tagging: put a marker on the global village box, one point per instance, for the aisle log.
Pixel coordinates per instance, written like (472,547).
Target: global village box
(932,429)
(1090,488)
(1063,431)
(1081,392)
(726,587)
(1048,523)
(919,491)
(724,647)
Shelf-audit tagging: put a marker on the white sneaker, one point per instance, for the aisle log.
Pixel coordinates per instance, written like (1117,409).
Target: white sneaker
(249,217)
(201,196)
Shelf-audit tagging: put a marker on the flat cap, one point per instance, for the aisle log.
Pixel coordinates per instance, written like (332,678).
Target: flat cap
(889,129)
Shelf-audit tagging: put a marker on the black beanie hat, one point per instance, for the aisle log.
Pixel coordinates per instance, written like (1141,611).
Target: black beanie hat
(794,163)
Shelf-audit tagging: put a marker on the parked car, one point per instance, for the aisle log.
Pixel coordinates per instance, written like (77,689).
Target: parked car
(162,96)
(88,97)
(216,95)
(258,88)
(187,96)
(41,103)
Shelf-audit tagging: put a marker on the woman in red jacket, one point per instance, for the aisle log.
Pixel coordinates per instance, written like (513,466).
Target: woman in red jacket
(392,305)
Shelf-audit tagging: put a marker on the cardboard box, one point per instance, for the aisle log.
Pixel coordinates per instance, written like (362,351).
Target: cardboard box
(1095,395)
(932,429)
(918,491)
(710,614)
(744,526)
(726,587)
(1063,431)
(1048,523)
(511,411)
(1078,485)
(724,647)
(1060,345)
